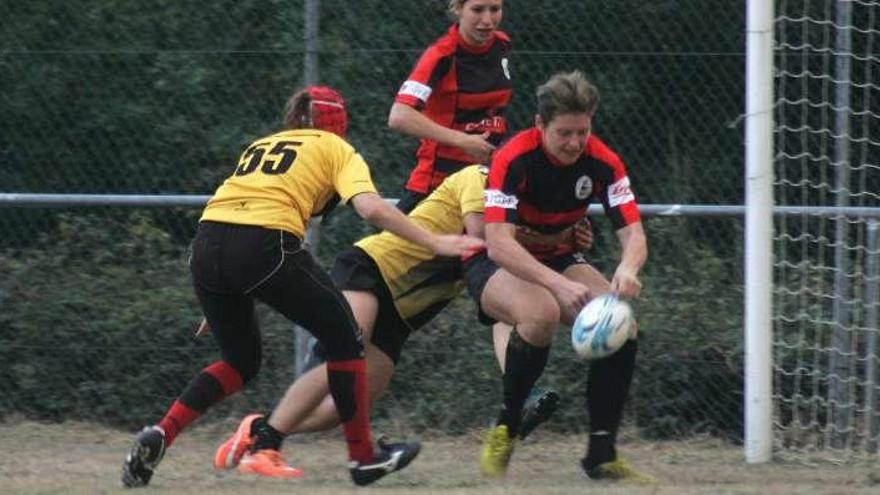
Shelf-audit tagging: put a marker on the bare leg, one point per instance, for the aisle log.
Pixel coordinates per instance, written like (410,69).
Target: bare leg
(300,399)
(531,307)
(307,404)
(501,336)
(324,416)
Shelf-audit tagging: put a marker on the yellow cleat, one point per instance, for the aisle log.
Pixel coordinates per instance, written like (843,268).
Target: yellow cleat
(497,449)
(619,470)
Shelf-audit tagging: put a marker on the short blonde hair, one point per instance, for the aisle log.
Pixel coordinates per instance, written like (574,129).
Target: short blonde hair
(566,92)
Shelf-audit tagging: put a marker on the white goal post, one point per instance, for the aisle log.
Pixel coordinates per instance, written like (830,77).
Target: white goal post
(758,230)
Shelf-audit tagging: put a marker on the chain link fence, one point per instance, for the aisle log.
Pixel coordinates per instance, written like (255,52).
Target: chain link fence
(160,98)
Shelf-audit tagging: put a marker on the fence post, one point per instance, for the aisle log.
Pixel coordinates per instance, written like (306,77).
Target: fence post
(872,294)
(303,340)
(840,359)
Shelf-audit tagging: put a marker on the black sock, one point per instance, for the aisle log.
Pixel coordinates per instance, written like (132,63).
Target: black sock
(265,437)
(600,449)
(607,390)
(523,366)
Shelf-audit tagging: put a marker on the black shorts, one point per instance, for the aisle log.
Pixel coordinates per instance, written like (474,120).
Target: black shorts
(233,265)
(480,268)
(354,269)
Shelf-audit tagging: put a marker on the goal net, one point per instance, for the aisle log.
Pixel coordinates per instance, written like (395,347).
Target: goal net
(827,159)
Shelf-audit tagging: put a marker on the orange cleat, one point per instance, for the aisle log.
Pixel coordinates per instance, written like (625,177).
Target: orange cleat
(268,462)
(229,454)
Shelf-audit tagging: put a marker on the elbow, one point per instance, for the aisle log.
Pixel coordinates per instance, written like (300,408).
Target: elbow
(396,117)
(368,207)
(371,213)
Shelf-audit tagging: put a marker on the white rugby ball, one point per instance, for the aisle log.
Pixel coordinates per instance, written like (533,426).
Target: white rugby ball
(602,327)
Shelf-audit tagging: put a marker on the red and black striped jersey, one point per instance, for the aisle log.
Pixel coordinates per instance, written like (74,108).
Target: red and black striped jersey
(462,87)
(529,187)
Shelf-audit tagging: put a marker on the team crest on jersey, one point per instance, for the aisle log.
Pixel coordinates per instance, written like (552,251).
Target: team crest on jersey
(506,66)
(583,187)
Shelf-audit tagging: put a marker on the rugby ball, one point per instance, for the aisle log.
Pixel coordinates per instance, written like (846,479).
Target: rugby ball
(602,327)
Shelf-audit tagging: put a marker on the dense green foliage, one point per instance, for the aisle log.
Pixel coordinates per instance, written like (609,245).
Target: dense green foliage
(100,326)
(117,97)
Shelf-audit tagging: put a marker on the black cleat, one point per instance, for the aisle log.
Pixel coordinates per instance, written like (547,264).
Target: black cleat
(538,408)
(145,455)
(390,458)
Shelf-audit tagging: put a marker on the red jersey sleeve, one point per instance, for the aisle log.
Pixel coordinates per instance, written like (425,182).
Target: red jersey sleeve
(432,66)
(617,196)
(506,175)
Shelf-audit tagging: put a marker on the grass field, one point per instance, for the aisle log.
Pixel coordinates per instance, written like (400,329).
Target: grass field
(85,458)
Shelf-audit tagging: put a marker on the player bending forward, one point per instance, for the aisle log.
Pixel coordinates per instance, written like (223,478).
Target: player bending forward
(249,247)
(543,179)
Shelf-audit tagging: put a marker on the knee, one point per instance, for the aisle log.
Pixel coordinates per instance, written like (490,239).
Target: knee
(537,323)
(545,316)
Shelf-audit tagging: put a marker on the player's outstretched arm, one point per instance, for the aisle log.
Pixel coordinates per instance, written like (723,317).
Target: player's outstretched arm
(634,253)
(375,210)
(408,120)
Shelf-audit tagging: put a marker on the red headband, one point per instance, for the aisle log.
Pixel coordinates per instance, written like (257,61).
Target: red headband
(328,110)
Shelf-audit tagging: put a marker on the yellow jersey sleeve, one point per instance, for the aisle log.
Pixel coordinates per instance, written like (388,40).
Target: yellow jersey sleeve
(470,189)
(353,177)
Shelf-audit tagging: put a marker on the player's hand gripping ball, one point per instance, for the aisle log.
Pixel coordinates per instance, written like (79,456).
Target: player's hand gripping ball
(602,327)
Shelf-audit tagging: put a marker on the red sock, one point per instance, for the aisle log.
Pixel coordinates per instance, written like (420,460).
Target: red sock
(176,419)
(228,377)
(213,384)
(357,427)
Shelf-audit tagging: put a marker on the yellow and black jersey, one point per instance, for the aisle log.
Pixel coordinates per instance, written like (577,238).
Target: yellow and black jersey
(284,179)
(417,279)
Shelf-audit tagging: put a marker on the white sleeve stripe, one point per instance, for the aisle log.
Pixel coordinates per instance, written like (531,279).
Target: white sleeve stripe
(497,199)
(416,89)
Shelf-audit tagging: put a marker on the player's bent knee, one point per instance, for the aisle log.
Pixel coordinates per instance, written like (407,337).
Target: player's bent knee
(543,317)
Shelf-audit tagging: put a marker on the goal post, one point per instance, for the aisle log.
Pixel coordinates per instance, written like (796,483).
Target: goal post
(758,230)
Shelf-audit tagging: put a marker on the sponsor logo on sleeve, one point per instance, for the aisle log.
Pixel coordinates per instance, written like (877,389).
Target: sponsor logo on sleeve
(620,193)
(415,88)
(498,199)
